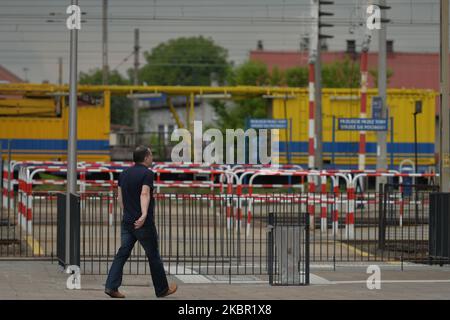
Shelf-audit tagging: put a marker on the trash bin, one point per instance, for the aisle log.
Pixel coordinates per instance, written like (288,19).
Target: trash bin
(74,254)
(439,227)
(288,252)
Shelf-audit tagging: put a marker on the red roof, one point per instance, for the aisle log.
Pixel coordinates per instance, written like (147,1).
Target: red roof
(410,70)
(7,76)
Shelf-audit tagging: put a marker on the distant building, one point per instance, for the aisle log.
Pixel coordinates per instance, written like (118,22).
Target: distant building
(156,124)
(410,70)
(157,118)
(121,142)
(7,76)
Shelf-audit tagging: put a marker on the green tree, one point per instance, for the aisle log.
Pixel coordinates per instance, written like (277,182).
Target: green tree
(185,61)
(250,73)
(374,74)
(121,107)
(277,77)
(297,77)
(341,74)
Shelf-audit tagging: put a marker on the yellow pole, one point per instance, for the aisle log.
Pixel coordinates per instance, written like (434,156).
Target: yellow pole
(188,121)
(107,112)
(174,113)
(192,114)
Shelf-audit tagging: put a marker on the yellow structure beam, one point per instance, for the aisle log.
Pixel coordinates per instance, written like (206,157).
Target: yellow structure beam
(29,112)
(54,90)
(174,113)
(187,114)
(27,107)
(27,103)
(192,113)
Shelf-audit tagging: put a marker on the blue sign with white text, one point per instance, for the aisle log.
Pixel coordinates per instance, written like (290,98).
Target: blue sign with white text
(358,124)
(268,123)
(377,105)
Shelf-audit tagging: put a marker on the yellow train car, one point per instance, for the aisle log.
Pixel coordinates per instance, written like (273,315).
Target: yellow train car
(35,127)
(341,151)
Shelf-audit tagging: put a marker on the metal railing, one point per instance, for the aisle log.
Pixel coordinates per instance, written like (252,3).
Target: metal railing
(217,234)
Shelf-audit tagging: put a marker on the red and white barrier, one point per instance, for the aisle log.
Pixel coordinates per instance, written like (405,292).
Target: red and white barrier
(335,213)
(249,215)
(323,204)
(311,116)
(363,110)
(350,217)
(311,201)
(240,211)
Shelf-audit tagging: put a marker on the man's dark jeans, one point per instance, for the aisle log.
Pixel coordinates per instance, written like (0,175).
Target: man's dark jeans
(148,238)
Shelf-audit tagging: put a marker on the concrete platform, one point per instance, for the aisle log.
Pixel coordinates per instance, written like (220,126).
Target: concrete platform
(43,280)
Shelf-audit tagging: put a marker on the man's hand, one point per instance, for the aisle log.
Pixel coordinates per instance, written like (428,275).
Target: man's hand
(139,222)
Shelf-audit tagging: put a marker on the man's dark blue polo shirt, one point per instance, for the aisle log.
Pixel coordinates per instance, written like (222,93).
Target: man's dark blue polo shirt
(131,181)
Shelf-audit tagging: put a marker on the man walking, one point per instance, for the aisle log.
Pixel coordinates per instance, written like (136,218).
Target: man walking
(135,196)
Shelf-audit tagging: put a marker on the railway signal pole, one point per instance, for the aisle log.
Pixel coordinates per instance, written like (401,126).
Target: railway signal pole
(363,101)
(105,69)
(318,72)
(315,149)
(382,90)
(313,46)
(136,82)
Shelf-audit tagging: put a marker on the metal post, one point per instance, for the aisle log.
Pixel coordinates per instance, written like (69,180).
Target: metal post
(316,5)
(287,141)
(60,82)
(25,71)
(136,82)
(414,186)
(187,119)
(1,178)
(382,79)
(270,249)
(381,216)
(363,100)
(311,137)
(60,71)
(10,175)
(191,113)
(313,45)
(105,42)
(72,137)
(318,111)
(290,141)
(392,143)
(444,118)
(415,147)
(333,139)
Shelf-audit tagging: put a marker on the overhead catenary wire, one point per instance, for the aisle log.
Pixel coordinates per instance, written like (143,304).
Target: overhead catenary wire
(272,21)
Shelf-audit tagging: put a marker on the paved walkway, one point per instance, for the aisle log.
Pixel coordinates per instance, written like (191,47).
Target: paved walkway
(44,280)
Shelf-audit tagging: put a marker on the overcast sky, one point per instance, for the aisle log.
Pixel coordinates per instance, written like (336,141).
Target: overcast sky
(27,40)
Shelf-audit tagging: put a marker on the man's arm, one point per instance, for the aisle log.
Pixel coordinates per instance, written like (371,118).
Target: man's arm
(145,202)
(119,198)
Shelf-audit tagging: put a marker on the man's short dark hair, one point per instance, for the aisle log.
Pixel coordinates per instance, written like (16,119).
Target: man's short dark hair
(140,153)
